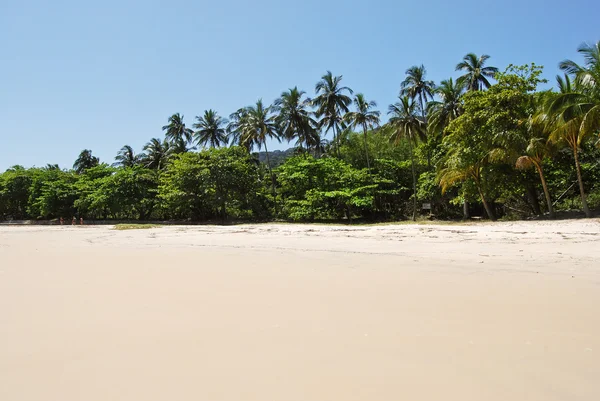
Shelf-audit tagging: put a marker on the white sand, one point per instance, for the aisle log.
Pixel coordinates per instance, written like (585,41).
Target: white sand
(507,311)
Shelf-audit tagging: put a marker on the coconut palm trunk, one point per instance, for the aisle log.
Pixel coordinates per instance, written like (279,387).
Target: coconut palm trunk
(546,191)
(335,141)
(414,177)
(466,213)
(486,205)
(586,209)
(270,170)
(366,145)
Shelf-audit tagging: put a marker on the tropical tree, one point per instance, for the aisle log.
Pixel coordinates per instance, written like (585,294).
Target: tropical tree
(210,129)
(331,104)
(157,154)
(236,129)
(294,119)
(538,148)
(85,161)
(177,133)
(484,136)
(575,113)
(417,87)
(126,157)
(586,76)
(364,117)
(441,113)
(254,125)
(476,74)
(405,124)
(564,84)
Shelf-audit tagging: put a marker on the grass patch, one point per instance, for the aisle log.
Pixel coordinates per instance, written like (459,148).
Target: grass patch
(136,226)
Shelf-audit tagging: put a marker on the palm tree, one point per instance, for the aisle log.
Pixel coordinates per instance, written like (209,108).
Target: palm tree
(253,126)
(331,103)
(294,119)
(236,129)
(157,154)
(537,150)
(564,84)
(587,76)
(416,86)
(178,133)
(126,157)
(441,113)
(407,125)
(364,117)
(476,73)
(210,129)
(84,161)
(575,112)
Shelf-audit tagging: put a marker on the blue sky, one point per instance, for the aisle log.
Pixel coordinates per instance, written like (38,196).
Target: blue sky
(102,74)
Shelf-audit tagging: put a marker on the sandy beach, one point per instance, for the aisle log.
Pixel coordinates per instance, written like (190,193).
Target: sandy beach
(504,311)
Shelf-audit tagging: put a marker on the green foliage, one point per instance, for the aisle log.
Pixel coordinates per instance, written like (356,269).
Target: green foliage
(54,194)
(501,145)
(215,183)
(14,192)
(125,193)
(325,188)
(481,140)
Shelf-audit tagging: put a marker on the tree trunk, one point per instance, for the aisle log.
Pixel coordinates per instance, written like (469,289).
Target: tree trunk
(414,176)
(533,198)
(335,141)
(270,171)
(366,146)
(466,213)
(546,192)
(424,116)
(486,205)
(586,209)
(223,206)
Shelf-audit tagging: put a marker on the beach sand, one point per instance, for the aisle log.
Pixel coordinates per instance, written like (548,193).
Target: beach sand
(277,312)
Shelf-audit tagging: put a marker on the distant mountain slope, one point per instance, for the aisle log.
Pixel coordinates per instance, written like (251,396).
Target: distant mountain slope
(276,157)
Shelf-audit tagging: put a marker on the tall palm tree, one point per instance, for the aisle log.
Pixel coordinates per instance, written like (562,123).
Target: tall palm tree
(255,125)
(331,103)
(417,87)
(405,124)
(294,119)
(85,161)
(575,112)
(441,113)
(476,73)
(586,76)
(157,154)
(364,117)
(126,157)
(237,129)
(538,148)
(210,129)
(177,133)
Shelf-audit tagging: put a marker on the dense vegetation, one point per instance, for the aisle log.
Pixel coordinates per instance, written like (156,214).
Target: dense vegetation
(488,144)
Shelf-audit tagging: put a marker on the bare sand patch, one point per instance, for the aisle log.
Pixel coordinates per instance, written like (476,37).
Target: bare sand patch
(505,311)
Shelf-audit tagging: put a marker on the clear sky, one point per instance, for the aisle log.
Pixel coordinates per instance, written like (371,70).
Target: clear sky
(102,74)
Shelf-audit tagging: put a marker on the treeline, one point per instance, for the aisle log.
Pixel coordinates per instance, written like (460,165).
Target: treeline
(462,147)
